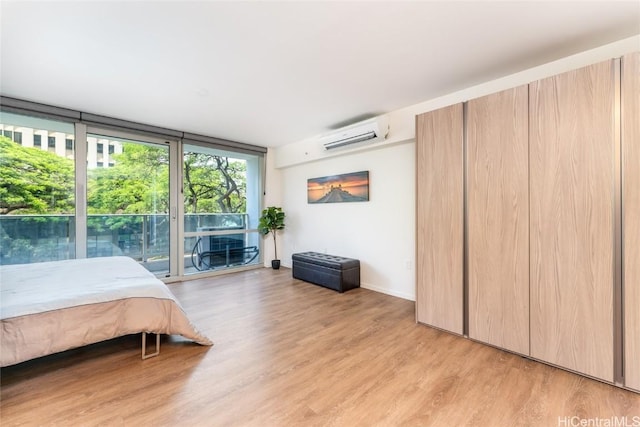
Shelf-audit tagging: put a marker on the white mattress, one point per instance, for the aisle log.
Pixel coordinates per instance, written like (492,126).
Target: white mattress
(54,306)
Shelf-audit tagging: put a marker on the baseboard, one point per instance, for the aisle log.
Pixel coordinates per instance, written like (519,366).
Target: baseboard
(402,295)
(267,264)
(393,293)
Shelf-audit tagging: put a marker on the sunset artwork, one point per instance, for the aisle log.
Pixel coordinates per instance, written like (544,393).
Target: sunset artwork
(348,187)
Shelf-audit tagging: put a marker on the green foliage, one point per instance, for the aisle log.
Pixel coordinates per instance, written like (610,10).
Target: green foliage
(214,184)
(271,220)
(138,183)
(37,181)
(34,181)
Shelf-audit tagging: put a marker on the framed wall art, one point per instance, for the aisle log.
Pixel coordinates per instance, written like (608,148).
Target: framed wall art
(348,187)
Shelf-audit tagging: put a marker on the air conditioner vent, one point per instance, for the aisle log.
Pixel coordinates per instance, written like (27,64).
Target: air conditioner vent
(372,130)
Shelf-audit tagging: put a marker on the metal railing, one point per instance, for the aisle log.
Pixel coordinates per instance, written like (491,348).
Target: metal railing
(38,238)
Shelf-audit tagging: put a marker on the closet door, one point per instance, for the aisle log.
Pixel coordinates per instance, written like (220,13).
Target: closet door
(498,219)
(439,154)
(572,205)
(631,216)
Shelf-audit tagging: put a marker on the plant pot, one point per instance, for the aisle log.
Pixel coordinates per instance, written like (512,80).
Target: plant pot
(275,264)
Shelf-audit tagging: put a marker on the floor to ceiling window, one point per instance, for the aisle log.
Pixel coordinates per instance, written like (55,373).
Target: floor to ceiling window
(37,190)
(128,200)
(90,186)
(221,193)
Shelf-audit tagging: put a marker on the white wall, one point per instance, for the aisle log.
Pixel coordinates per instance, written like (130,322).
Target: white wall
(381,233)
(272,197)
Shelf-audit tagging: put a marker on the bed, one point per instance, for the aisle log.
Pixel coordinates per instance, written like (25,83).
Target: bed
(54,306)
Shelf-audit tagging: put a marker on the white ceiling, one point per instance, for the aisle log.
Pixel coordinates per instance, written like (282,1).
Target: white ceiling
(273,73)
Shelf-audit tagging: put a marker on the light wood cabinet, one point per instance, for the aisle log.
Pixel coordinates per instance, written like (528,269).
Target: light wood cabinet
(439,203)
(630,83)
(498,219)
(572,204)
(528,220)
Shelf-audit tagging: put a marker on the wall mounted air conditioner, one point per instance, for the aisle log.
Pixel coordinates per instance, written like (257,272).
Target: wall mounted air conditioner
(371,130)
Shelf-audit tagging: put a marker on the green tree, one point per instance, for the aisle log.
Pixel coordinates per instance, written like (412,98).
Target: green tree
(37,181)
(138,183)
(214,184)
(34,181)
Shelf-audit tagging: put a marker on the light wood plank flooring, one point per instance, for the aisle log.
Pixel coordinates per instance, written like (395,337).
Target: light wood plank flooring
(289,353)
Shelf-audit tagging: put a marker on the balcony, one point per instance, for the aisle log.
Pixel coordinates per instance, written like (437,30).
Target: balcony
(37,238)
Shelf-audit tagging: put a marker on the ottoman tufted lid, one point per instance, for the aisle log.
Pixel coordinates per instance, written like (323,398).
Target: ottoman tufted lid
(326,260)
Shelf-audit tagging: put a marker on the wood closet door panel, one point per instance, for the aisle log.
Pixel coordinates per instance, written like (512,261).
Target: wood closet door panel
(498,219)
(572,204)
(631,216)
(439,156)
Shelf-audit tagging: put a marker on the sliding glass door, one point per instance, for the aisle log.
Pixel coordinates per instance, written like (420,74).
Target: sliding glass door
(221,193)
(128,201)
(183,206)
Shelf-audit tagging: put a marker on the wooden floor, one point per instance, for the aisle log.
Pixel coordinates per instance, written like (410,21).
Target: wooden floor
(289,353)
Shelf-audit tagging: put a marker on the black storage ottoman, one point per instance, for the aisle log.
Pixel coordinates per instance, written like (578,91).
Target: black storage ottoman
(333,272)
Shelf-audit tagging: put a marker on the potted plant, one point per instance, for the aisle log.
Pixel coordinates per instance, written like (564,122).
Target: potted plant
(272,220)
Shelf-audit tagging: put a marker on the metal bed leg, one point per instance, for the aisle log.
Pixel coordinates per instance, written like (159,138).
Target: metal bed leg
(144,346)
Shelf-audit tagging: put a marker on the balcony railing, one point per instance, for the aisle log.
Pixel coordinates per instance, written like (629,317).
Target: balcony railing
(39,238)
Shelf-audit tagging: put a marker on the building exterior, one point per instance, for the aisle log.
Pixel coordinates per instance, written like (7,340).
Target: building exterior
(100,151)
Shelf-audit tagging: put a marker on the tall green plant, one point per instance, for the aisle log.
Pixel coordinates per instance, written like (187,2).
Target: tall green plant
(271,220)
